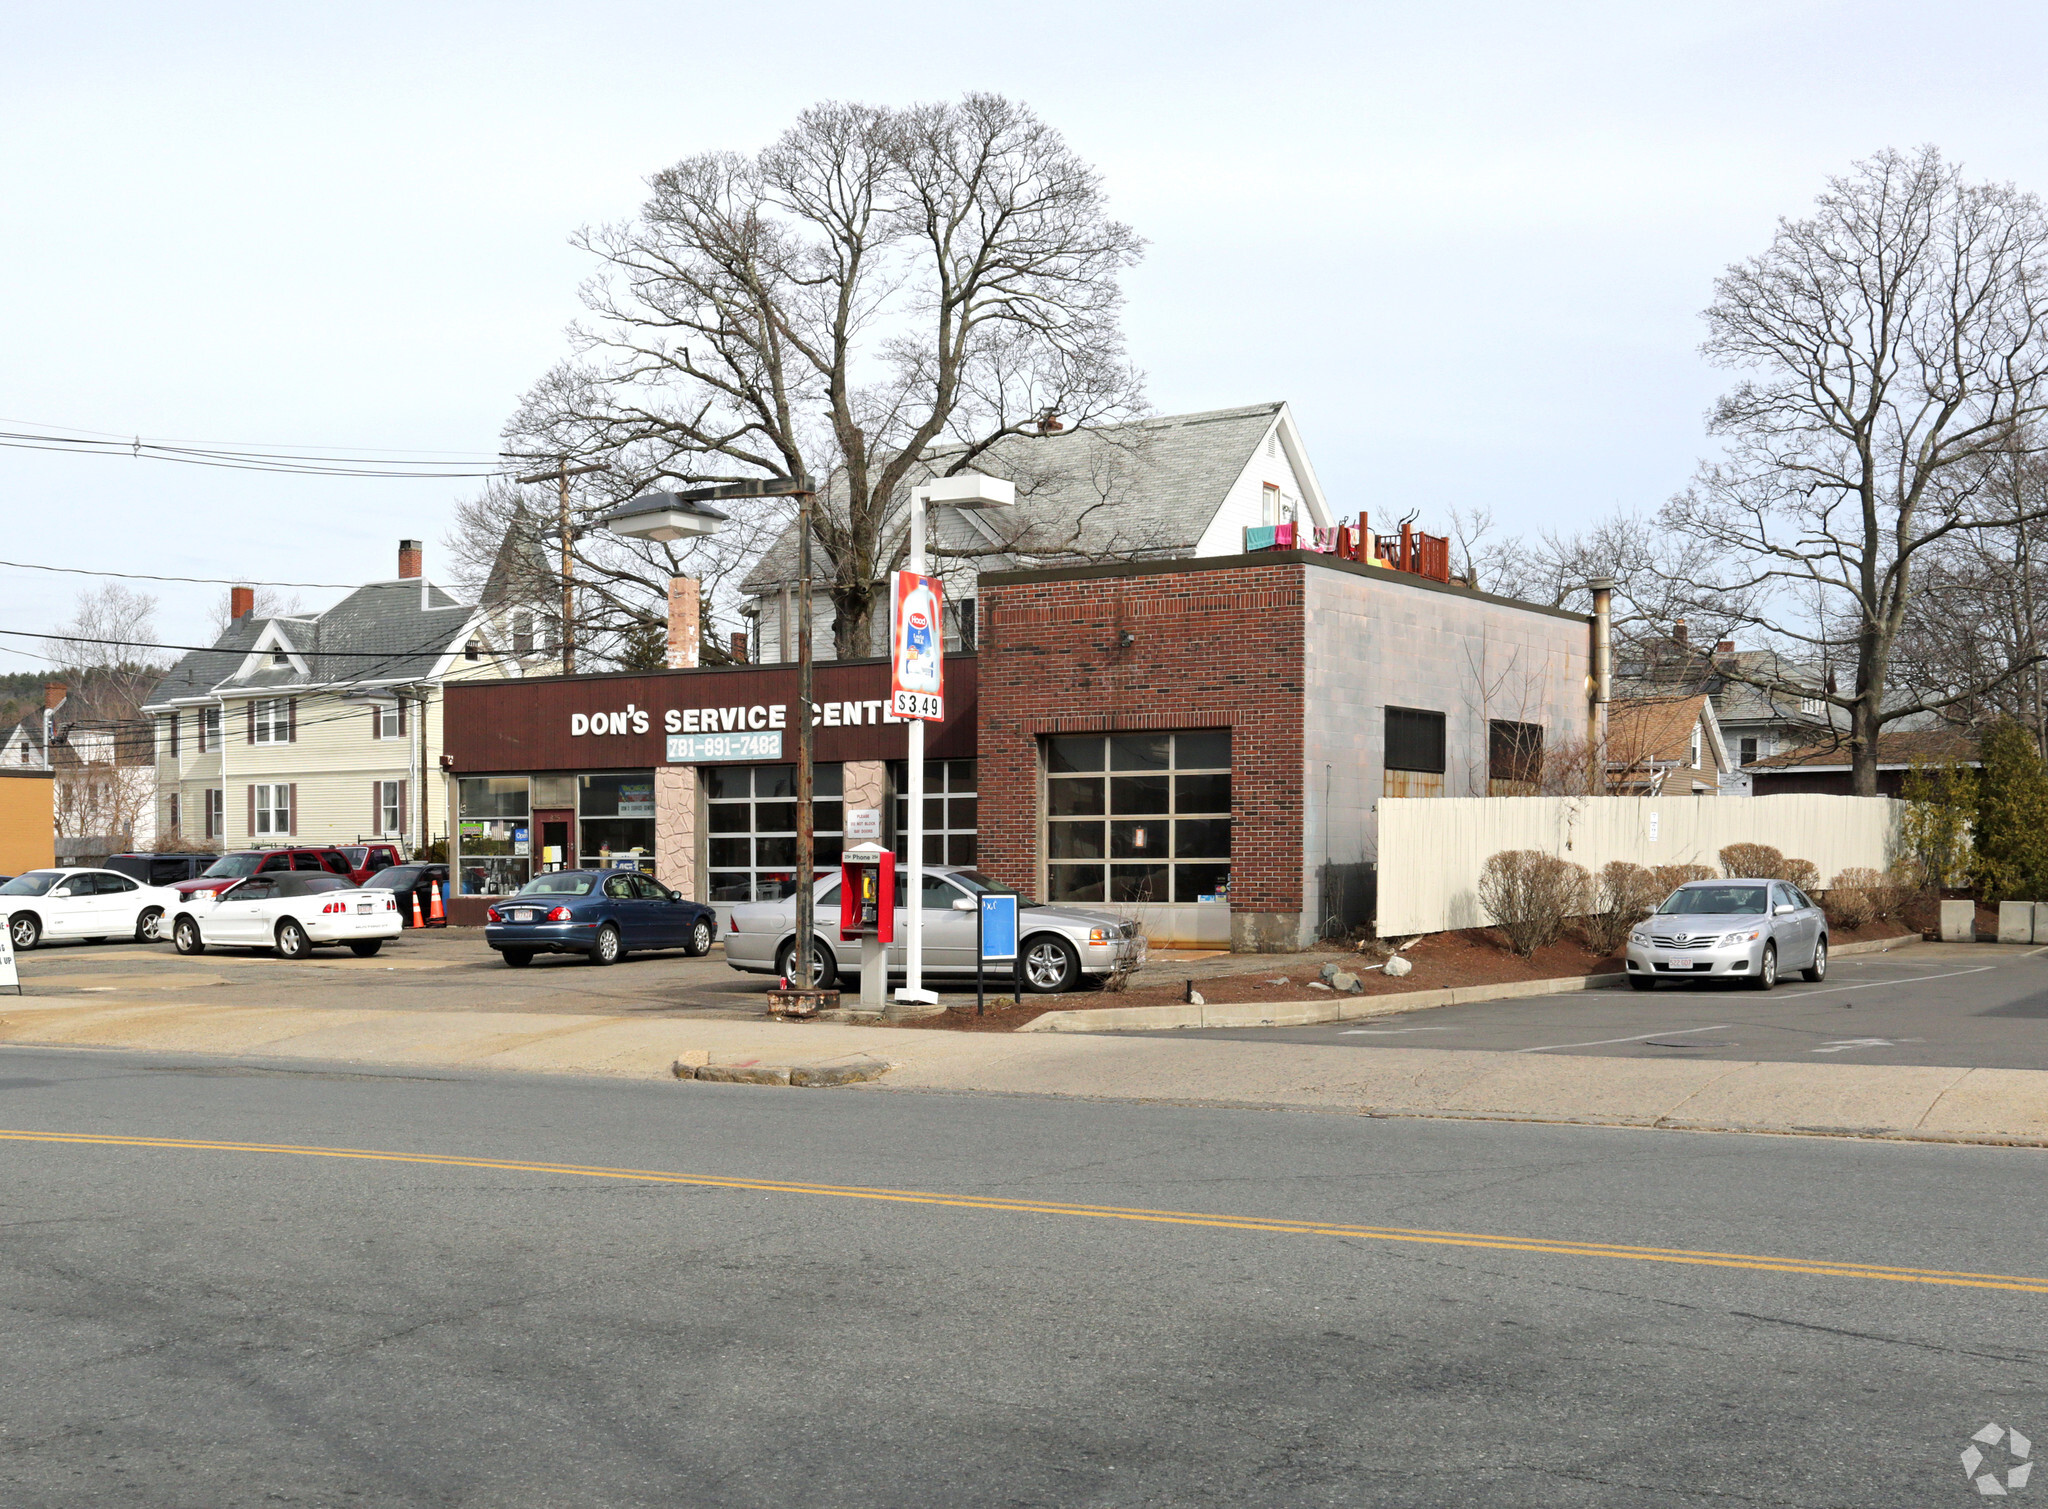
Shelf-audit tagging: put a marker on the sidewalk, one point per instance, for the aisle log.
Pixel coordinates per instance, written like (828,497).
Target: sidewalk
(1971,1105)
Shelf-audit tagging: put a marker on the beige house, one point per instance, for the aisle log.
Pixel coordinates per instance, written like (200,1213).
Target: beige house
(1659,746)
(321,728)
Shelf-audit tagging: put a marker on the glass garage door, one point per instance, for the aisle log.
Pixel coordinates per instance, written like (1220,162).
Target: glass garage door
(1138,817)
(751,815)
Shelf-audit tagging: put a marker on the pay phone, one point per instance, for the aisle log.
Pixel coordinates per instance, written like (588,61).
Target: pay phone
(867,894)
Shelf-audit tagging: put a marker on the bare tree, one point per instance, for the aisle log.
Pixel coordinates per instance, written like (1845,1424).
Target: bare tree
(876,283)
(1895,344)
(108,660)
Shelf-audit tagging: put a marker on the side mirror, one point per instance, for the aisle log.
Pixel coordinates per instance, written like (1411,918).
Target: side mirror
(963,905)
(1783,909)
(675,895)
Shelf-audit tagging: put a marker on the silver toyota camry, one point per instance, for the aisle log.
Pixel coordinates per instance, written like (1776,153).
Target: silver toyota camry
(1061,944)
(1750,930)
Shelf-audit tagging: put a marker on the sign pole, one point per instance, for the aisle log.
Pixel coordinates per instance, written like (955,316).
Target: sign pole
(980,948)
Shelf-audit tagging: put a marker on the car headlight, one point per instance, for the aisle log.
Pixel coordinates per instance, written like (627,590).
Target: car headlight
(1639,937)
(1748,937)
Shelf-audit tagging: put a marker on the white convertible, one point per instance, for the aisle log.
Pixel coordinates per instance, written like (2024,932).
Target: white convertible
(286,911)
(45,905)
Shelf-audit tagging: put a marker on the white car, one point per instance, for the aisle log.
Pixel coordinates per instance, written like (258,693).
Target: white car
(290,912)
(45,905)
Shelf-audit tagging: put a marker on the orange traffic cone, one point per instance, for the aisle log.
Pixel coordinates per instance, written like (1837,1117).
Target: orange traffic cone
(416,922)
(435,916)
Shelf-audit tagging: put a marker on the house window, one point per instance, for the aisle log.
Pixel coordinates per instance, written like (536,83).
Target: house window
(173,813)
(171,729)
(1414,763)
(273,808)
(214,800)
(391,806)
(1138,817)
(1270,505)
(209,729)
(271,718)
(1696,746)
(751,812)
(1749,751)
(391,721)
(952,818)
(1811,706)
(959,619)
(1514,758)
(522,633)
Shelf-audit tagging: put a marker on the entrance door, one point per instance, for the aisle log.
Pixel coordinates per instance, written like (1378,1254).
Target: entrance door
(554,829)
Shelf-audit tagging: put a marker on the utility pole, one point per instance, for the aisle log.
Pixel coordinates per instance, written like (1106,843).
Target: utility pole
(806,844)
(561,474)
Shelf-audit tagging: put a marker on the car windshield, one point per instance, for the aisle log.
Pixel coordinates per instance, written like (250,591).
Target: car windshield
(972,880)
(34,883)
(234,866)
(557,885)
(1715,900)
(394,877)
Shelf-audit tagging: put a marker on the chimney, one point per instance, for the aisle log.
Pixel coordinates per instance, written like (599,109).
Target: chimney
(1725,647)
(54,693)
(739,646)
(409,559)
(1049,422)
(1602,588)
(682,623)
(1678,632)
(241,601)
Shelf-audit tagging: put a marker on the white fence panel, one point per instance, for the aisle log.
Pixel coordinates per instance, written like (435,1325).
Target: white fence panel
(1431,848)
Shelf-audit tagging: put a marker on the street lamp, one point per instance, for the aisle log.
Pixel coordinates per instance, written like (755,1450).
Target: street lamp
(965,490)
(681,515)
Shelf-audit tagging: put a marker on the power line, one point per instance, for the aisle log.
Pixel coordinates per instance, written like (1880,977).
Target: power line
(299,462)
(143,576)
(152,644)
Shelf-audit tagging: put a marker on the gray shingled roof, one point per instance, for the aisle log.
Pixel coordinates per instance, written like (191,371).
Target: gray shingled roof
(1148,489)
(383,632)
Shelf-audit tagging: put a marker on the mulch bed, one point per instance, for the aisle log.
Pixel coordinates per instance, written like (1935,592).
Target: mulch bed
(1475,956)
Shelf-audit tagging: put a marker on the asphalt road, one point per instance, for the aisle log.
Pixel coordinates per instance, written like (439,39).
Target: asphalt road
(1343,1310)
(1962,1006)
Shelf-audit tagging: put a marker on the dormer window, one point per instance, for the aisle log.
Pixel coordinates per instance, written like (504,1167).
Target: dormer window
(279,660)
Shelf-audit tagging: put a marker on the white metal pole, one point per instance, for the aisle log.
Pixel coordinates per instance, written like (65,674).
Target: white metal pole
(913,871)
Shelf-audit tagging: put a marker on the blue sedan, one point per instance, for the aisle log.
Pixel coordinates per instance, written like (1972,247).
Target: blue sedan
(602,914)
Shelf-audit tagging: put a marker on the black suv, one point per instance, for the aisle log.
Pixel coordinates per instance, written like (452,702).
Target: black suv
(160,869)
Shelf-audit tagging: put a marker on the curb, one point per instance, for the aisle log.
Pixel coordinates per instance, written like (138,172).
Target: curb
(1311,1013)
(800,1076)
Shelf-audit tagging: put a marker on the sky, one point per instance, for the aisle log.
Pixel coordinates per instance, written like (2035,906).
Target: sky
(1468,243)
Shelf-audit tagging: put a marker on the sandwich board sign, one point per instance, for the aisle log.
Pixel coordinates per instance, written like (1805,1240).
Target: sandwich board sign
(8,976)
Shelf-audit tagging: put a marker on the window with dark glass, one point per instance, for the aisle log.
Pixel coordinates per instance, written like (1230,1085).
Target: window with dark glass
(1138,817)
(1414,763)
(951,811)
(1514,758)
(751,814)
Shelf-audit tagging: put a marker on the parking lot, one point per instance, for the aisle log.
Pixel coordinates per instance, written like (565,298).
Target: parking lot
(1961,1005)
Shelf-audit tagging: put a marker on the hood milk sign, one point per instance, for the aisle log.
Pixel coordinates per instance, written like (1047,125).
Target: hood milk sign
(706,735)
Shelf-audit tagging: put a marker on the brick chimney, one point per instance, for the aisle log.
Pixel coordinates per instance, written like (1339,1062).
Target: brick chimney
(241,601)
(54,693)
(683,600)
(409,558)
(739,646)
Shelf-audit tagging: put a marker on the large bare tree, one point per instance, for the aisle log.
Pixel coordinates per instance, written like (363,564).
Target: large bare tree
(1895,342)
(876,283)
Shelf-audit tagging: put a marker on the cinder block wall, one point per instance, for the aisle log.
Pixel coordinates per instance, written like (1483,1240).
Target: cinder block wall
(1215,648)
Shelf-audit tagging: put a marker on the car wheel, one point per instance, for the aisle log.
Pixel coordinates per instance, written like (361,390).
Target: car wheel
(699,943)
(1767,972)
(149,927)
(1641,982)
(518,958)
(185,937)
(25,931)
(607,949)
(1818,970)
(1050,966)
(292,942)
(823,966)
(367,948)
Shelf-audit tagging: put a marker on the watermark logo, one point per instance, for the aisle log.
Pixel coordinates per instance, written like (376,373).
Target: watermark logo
(1984,1473)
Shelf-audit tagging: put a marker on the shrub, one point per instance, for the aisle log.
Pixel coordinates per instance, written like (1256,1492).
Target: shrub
(1622,896)
(1801,873)
(1751,862)
(1530,896)
(1934,829)
(2012,817)
(1852,900)
(1671,877)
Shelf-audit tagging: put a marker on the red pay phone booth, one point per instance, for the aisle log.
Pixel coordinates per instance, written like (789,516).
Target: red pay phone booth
(867,894)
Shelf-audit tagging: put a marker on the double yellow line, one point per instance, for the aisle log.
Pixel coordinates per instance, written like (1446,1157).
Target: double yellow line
(1815,1268)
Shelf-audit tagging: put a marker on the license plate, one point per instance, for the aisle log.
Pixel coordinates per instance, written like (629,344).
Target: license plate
(522,916)
(1681,961)
(365,907)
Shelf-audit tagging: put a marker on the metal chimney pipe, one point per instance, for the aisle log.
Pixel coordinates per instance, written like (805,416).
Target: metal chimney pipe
(1602,588)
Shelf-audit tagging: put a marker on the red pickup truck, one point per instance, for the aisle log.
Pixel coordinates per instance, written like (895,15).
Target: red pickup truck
(358,862)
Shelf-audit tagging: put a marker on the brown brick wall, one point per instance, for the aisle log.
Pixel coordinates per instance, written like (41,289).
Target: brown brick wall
(1213,649)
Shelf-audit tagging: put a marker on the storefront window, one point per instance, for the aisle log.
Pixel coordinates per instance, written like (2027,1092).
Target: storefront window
(492,835)
(951,821)
(1138,817)
(752,818)
(616,818)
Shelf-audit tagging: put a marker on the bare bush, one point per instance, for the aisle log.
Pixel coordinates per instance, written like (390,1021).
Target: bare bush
(1531,895)
(1851,901)
(1751,862)
(1671,877)
(1624,894)
(1802,873)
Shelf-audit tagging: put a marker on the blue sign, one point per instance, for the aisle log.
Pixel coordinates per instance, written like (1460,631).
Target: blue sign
(998,926)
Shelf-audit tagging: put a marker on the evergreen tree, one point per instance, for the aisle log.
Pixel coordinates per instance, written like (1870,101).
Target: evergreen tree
(2012,817)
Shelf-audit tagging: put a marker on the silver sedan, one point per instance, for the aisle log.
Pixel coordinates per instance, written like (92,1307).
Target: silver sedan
(1061,944)
(1750,930)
